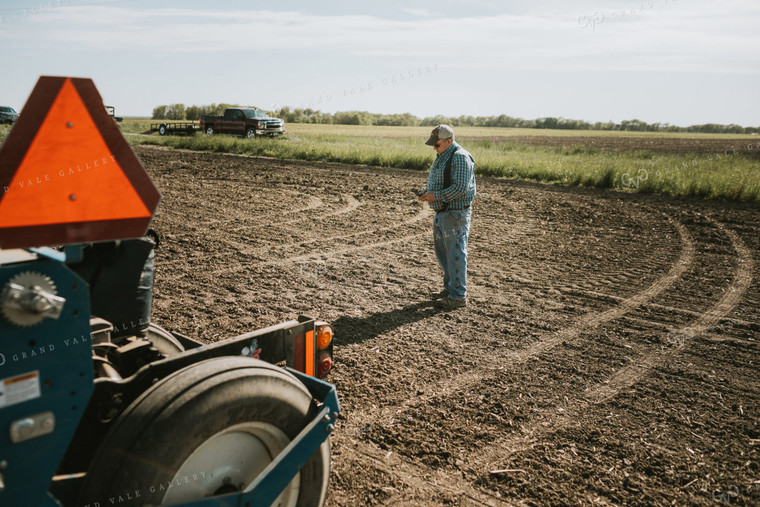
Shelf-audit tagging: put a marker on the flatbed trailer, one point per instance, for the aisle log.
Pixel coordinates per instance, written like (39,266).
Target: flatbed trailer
(175,128)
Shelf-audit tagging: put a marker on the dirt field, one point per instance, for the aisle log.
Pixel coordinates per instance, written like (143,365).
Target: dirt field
(609,354)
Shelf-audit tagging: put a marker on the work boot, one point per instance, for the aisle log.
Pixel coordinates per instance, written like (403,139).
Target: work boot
(451,304)
(440,295)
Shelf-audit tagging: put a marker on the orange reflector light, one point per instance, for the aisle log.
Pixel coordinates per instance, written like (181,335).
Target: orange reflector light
(324,336)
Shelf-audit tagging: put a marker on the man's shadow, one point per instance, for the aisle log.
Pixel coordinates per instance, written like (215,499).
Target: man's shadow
(357,329)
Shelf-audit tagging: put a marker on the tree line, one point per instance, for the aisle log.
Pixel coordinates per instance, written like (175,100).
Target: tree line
(308,115)
(191,113)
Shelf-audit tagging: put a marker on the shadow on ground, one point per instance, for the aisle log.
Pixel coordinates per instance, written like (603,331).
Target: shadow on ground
(350,330)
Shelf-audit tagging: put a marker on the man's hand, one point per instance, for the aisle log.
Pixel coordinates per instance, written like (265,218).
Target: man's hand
(427,197)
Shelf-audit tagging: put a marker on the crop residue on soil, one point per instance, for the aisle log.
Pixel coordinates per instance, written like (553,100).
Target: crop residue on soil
(609,353)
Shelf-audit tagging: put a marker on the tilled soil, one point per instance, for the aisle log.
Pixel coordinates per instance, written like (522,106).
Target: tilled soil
(608,355)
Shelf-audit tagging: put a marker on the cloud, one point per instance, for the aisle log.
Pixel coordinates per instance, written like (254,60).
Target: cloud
(422,13)
(672,35)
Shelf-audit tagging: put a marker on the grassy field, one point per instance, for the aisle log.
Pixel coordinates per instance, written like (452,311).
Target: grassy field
(137,125)
(505,153)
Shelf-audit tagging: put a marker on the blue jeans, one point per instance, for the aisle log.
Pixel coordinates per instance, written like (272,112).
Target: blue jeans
(451,230)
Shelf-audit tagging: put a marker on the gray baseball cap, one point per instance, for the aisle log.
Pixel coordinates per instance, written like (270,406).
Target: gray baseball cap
(440,133)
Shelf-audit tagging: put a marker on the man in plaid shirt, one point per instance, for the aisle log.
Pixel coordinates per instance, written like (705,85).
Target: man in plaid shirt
(450,191)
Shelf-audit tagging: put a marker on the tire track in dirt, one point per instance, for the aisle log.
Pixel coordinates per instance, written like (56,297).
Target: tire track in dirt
(502,449)
(629,375)
(417,481)
(531,274)
(586,322)
(213,226)
(423,213)
(612,297)
(596,319)
(327,254)
(414,474)
(313,203)
(247,249)
(351,206)
(330,254)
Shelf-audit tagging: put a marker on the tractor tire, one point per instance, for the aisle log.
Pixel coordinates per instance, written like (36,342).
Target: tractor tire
(208,429)
(162,130)
(250,133)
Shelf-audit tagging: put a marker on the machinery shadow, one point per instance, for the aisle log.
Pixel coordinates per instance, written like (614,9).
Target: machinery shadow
(350,330)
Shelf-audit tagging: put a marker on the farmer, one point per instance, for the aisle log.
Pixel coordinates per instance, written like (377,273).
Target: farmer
(450,191)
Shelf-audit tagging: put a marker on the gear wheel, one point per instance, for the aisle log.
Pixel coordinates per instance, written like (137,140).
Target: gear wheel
(31,281)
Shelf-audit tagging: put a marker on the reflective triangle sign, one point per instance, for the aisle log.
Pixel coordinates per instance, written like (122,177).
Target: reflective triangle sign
(67,175)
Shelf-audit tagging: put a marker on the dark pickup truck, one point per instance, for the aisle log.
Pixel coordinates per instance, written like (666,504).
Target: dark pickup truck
(242,121)
(8,114)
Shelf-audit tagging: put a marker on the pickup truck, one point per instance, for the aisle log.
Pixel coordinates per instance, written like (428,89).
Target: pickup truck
(248,122)
(8,114)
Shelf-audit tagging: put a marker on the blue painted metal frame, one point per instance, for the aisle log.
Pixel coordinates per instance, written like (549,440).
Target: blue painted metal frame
(270,483)
(66,376)
(59,350)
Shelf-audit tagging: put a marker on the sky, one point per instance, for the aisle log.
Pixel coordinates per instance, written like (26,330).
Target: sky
(682,62)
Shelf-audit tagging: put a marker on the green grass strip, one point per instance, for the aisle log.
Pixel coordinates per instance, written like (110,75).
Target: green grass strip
(733,177)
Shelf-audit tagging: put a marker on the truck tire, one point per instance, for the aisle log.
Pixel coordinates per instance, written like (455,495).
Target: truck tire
(209,130)
(208,429)
(162,130)
(250,133)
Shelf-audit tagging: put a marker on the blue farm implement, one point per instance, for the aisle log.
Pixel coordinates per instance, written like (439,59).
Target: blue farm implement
(100,406)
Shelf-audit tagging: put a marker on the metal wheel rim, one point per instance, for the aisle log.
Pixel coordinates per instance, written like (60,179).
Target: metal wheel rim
(251,134)
(229,461)
(209,131)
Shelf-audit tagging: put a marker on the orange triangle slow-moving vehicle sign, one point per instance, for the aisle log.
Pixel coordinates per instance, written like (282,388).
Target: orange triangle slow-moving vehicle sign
(67,175)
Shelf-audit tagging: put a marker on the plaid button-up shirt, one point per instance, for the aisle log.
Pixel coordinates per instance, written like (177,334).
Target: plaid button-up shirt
(461,192)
